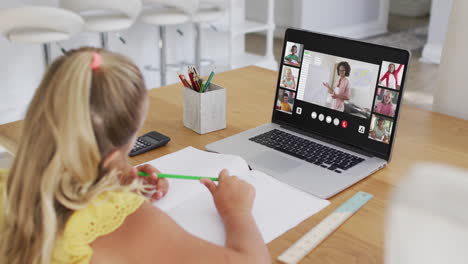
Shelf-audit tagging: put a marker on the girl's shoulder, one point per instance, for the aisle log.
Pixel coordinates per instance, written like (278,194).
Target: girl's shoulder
(103,215)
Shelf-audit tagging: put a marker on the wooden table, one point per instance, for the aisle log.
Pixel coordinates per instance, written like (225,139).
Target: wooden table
(422,136)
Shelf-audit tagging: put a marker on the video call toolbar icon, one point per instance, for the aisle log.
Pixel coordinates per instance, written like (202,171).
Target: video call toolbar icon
(362,129)
(314,115)
(344,124)
(299,110)
(329,119)
(321,117)
(336,121)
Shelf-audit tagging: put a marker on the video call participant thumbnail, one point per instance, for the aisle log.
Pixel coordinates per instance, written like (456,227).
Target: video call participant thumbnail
(391,75)
(380,129)
(289,77)
(385,102)
(293,51)
(285,101)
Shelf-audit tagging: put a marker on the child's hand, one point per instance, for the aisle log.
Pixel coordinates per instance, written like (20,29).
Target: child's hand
(160,185)
(231,195)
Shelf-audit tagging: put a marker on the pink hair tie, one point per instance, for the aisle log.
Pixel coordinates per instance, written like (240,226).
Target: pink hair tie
(97,61)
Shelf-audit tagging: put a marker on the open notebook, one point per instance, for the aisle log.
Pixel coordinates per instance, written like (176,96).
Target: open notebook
(277,207)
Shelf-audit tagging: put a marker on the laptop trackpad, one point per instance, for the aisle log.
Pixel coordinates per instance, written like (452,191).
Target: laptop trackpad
(274,162)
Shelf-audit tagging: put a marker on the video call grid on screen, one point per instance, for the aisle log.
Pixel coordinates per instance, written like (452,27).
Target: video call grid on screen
(369,60)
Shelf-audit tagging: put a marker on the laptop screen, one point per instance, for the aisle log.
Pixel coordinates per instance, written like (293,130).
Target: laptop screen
(341,89)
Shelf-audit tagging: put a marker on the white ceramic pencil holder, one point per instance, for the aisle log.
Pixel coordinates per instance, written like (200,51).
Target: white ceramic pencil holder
(205,112)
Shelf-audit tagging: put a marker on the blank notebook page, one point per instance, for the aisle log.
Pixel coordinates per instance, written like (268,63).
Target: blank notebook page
(193,162)
(278,207)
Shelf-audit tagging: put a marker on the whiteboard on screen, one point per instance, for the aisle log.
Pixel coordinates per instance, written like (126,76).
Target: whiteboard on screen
(314,91)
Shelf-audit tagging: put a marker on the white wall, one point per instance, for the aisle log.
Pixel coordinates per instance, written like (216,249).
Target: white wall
(23,66)
(451,94)
(20,72)
(286,14)
(336,13)
(440,12)
(355,19)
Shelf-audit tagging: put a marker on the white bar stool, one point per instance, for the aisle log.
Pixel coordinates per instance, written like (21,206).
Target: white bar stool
(208,11)
(105,16)
(163,13)
(39,24)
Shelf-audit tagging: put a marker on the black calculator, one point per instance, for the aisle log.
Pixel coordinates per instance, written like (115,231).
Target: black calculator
(147,142)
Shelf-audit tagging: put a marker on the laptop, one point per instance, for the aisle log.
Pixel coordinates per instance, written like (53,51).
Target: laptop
(335,114)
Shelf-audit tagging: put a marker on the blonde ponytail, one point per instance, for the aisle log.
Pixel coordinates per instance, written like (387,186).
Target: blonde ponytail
(77,116)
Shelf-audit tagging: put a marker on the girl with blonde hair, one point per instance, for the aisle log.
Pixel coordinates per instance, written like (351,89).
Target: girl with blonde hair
(71,196)
(289,81)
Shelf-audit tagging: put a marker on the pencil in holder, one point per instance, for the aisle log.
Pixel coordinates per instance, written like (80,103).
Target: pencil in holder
(205,112)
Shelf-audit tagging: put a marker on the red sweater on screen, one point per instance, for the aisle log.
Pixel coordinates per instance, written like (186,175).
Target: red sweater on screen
(395,74)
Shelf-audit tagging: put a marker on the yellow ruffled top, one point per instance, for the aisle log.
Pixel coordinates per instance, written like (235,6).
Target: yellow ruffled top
(102,216)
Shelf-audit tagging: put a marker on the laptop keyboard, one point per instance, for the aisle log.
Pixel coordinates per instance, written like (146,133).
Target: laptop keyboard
(307,150)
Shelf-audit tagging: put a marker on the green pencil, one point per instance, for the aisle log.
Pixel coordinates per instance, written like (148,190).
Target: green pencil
(172,176)
(207,83)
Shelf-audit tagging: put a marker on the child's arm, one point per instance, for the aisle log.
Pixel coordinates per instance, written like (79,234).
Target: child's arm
(151,236)
(399,68)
